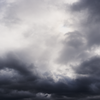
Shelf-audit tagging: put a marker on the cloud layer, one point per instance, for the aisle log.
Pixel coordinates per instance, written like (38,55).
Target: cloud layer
(49,50)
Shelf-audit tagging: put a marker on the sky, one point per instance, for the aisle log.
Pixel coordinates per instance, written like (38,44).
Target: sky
(49,49)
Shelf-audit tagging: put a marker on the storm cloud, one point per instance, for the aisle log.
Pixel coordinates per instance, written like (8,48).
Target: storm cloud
(19,81)
(49,50)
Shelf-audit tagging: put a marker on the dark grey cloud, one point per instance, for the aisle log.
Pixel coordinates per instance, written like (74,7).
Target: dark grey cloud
(26,84)
(92,5)
(90,67)
(79,44)
(88,73)
(91,24)
(20,80)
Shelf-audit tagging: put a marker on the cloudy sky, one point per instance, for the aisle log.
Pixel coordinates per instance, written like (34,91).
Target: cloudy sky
(49,49)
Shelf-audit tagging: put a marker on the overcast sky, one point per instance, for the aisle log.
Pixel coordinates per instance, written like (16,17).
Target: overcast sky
(49,49)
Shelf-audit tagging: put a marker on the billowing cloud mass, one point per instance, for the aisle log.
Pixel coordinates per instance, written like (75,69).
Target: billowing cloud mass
(49,50)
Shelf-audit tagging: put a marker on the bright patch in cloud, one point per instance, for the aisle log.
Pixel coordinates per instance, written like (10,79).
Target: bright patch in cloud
(71,1)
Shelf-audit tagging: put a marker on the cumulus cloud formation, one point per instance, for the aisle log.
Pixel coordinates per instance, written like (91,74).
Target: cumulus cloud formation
(49,50)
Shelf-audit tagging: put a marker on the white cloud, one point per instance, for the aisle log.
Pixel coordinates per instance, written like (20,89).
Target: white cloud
(35,28)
